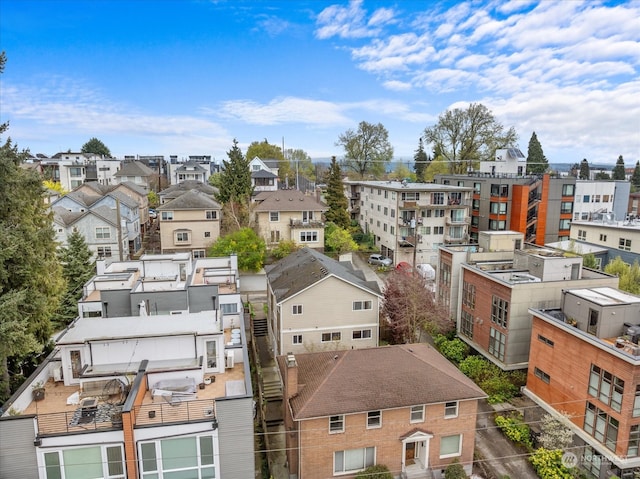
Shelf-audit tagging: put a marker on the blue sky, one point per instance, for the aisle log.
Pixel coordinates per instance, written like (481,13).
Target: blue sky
(186,77)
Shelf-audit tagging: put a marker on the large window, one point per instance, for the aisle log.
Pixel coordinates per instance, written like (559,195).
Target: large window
(353,460)
(103,232)
(104,251)
(601,426)
(466,324)
(274,216)
(606,387)
(297,339)
(229,308)
(178,458)
(336,424)
(450,446)
(361,334)
(566,207)
(500,190)
(582,235)
(308,237)
(634,441)
(166,215)
(469,294)
(212,357)
(451,409)
(498,208)
(182,237)
(85,463)
(417,413)
(636,402)
(624,244)
(564,224)
(499,311)
(333,336)
(360,305)
(497,342)
(497,225)
(212,215)
(568,190)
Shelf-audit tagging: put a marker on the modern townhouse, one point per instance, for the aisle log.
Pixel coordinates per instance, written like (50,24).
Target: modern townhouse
(597,197)
(136,172)
(584,368)
(409,221)
(619,238)
(190,170)
(402,406)
(290,215)
(494,298)
(316,303)
(135,397)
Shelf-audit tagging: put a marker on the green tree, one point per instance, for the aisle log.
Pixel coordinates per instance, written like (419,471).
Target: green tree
(301,164)
(438,166)
(266,151)
(96,147)
(335,197)
(153,198)
(379,471)
(235,177)
(602,175)
(77,268)
(536,161)
(367,149)
(284,249)
(464,137)
(629,275)
(246,243)
(589,261)
(30,277)
(401,172)
(548,464)
(585,171)
(618,172)
(455,470)
(420,161)
(339,240)
(635,179)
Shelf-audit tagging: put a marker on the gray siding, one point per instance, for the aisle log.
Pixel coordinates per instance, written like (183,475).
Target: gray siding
(235,436)
(159,302)
(18,454)
(201,298)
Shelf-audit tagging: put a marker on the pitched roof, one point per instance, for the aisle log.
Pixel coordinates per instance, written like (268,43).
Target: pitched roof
(66,217)
(123,198)
(191,200)
(290,200)
(305,267)
(134,168)
(191,165)
(83,198)
(358,380)
(132,186)
(107,214)
(178,189)
(263,174)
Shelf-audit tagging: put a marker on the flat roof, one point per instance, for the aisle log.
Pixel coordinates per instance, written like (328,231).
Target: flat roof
(398,185)
(605,296)
(91,329)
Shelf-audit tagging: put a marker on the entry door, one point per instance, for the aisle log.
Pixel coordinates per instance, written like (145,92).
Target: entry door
(76,363)
(410,452)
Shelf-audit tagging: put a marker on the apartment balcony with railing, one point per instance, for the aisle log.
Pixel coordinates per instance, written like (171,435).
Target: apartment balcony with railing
(306,223)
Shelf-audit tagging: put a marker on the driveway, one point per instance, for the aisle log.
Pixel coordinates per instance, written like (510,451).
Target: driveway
(360,263)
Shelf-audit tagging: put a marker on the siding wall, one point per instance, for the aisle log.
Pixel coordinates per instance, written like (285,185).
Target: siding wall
(18,454)
(236,438)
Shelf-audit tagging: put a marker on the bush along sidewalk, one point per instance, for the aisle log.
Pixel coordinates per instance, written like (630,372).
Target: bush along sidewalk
(513,426)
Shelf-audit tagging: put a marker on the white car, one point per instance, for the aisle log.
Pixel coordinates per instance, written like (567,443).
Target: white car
(379,260)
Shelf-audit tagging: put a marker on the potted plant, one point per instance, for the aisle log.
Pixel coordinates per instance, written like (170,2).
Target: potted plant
(37,391)
(116,418)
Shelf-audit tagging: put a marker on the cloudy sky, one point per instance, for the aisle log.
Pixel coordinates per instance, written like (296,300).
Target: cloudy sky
(186,77)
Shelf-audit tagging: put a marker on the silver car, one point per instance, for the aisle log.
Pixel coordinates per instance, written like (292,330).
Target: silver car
(379,260)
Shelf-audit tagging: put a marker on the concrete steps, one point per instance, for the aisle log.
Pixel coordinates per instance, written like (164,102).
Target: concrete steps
(260,327)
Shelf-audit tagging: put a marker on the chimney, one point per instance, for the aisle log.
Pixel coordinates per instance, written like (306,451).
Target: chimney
(292,375)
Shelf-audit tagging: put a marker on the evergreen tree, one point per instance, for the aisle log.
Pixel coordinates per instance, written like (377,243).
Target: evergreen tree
(635,179)
(335,198)
(584,170)
(536,161)
(77,268)
(235,178)
(421,161)
(96,147)
(618,170)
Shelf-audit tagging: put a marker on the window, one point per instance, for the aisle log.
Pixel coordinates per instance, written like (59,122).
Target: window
(332,336)
(212,358)
(475,205)
(499,311)
(166,215)
(545,340)
(361,334)
(393,213)
(540,374)
(336,424)
(182,237)
(297,339)
(374,419)
(353,460)
(308,237)
(104,251)
(500,190)
(275,236)
(296,309)
(410,196)
(596,198)
(601,426)
(582,235)
(624,244)
(451,409)
(603,238)
(438,213)
(498,208)
(592,327)
(469,294)
(586,199)
(566,207)
(360,305)
(636,402)
(466,324)
(497,343)
(438,230)
(103,232)
(212,215)
(565,224)
(207,234)
(437,198)
(476,188)
(606,387)
(75,171)
(634,441)
(190,456)
(568,190)
(450,446)
(592,461)
(417,413)
(96,461)
(497,225)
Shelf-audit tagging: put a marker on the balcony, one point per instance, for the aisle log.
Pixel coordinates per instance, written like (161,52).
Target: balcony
(455,221)
(306,224)
(455,239)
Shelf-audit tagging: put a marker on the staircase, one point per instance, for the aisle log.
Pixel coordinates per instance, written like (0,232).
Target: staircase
(259,327)
(415,472)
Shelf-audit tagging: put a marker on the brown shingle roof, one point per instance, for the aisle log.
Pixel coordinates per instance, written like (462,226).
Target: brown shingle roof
(290,200)
(358,380)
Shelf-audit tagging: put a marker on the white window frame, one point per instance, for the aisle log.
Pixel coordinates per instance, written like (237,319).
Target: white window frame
(336,424)
(374,419)
(104,251)
(451,454)
(181,239)
(368,459)
(166,215)
(363,333)
(362,305)
(103,451)
(159,471)
(416,414)
(333,335)
(274,216)
(103,232)
(296,309)
(211,215)
(308,236)
(296,339)
(451,409)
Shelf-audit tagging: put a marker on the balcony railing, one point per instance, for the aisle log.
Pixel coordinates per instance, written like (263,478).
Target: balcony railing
(166,411)
(458,221)
(79,421)
(306,224)
(455,239)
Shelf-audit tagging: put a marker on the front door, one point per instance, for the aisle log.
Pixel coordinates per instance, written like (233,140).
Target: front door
(76,363)
(410,453)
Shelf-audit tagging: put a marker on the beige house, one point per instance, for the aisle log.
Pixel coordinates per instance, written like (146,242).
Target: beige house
(290,215)
(318,304)
(190,222)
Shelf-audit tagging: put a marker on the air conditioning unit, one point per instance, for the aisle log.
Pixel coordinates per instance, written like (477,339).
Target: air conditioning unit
(57,374)
(229,359)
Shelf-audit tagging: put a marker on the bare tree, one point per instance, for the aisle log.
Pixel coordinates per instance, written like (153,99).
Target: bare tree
(367,150)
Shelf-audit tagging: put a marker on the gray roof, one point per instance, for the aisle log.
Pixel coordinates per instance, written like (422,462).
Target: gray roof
(134,168)
(263,174)
(124,198)
(359,380)
(132,186)
(106,213)
(305,267)
(83,198)
(289,200)
(66,217)
(178,189)
(192,164)
(191,200)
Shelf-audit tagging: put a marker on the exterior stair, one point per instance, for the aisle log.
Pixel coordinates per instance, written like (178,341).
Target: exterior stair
(260,327)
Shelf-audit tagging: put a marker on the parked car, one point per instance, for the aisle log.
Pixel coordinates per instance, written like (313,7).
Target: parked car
(152,214)
(379,260)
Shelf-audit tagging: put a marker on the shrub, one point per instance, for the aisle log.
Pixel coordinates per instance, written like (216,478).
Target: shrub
(515,429)
(499,385)
(284,248)
(379,471)
(455,471)
(548,464)
(454,349)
